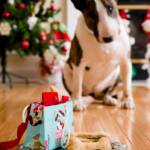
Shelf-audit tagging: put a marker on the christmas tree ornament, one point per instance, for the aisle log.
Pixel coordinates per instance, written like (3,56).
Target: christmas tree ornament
(11,2)
(65,47)
(6,14)
(21,5)
(43,37)
(5,29)
(53,7)
(125,16)
(146,23)
(32,21)
(25,44)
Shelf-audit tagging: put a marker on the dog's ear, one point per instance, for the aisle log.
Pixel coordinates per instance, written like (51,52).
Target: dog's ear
(79,4)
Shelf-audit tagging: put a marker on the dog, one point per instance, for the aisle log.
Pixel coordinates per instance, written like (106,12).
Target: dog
(99,55)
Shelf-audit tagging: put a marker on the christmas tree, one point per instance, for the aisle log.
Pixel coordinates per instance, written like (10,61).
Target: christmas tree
(30,27)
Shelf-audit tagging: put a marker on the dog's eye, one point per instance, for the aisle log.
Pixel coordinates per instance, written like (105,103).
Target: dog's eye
(109,9)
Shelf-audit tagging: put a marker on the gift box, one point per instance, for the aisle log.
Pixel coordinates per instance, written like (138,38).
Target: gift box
(50,123)
(47,124)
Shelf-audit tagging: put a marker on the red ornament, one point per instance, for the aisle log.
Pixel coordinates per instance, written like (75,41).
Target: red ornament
(25,44)
(6,14)
(146,23)
(21,5)
(43,37)
(53,7)
(124,14)
(64,49)
(43,34)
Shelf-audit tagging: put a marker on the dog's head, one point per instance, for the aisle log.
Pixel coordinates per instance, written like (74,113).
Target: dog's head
(101,17)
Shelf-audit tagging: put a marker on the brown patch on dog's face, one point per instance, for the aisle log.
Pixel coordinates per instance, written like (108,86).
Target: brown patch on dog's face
(89,11)
(91,17)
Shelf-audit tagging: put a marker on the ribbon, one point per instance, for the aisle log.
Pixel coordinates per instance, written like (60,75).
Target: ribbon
(20,131)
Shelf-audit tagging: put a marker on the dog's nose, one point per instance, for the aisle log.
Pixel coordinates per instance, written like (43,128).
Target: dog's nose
(108,39)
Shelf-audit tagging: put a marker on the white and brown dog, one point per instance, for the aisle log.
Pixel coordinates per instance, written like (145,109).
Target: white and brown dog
(100,53)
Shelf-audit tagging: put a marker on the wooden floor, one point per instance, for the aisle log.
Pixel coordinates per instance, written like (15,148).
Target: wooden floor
(131,127)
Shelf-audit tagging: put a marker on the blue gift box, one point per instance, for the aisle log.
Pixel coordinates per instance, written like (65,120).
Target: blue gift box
(49,126)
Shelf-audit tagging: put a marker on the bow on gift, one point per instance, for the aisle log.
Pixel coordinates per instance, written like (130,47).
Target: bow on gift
(51,98)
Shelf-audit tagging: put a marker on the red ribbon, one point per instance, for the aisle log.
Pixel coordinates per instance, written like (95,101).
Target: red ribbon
(10,144)
(20,131)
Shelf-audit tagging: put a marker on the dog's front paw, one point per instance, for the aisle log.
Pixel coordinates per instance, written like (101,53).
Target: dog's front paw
(109,100)
(127,103)
(79,105)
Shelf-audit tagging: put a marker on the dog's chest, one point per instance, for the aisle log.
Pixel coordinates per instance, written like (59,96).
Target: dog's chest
(98,55)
